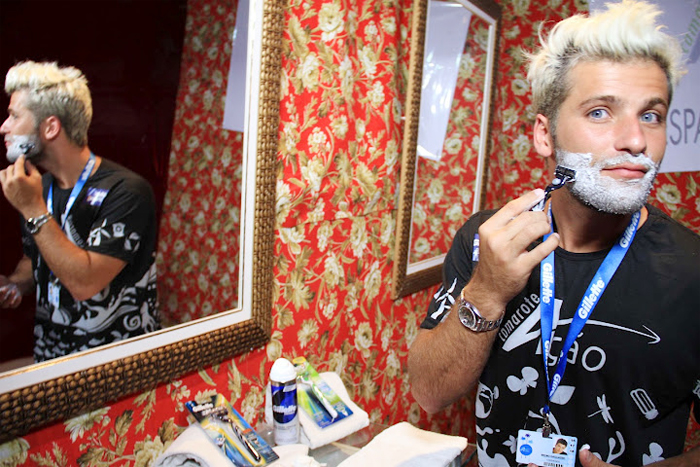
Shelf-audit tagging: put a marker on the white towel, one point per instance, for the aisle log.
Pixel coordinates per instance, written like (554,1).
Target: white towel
(294,455)
(193,448)
(403,445)
(314,436)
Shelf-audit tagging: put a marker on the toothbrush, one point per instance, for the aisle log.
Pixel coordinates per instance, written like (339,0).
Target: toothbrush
(320,396)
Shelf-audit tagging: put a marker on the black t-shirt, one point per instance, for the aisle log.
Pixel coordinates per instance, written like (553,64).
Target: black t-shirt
(114,214)
(634,369)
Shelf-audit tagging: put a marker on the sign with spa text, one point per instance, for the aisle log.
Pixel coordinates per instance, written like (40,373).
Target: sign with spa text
(682,20)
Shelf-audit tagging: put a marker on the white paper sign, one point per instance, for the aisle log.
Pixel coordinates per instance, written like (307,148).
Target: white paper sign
(234,106)
(445,36)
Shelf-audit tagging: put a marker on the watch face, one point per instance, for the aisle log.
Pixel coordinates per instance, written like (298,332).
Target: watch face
(467,316)
(470,318)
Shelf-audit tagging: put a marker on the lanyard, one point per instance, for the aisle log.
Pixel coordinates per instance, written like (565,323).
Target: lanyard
(84,175)
(588,302)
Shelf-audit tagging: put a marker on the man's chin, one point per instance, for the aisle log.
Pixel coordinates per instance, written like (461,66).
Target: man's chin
(34,157)
(612,203)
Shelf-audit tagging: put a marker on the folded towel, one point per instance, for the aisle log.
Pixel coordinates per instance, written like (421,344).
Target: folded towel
(403,445)
(294,455)
(314,436)
(193,448)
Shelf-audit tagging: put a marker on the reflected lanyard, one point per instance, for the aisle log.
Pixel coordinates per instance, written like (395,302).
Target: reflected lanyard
(84,175)
(590,299)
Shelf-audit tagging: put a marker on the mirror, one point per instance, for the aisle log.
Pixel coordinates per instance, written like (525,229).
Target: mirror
(38,394)
(449,97)
(134,81)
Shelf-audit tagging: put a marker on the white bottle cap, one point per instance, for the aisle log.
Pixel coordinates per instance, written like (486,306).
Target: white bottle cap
(282,371)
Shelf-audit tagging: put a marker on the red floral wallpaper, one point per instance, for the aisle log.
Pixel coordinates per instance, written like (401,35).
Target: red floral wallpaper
(344,69)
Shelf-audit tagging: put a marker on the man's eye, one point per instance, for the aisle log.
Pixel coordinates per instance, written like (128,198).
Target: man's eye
(598,113)
(651,117)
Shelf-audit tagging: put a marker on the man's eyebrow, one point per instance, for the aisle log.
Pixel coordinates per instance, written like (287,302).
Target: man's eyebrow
(657,101)
(609,99)
(604,98)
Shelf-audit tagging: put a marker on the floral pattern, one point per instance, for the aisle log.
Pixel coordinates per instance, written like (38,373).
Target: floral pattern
(202,206)
(344,69)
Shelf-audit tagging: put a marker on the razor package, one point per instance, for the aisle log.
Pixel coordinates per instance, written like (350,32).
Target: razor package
(562,176)
(231,432)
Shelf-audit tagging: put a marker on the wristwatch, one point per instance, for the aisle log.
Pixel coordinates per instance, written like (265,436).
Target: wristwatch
(35,223)
(472,319)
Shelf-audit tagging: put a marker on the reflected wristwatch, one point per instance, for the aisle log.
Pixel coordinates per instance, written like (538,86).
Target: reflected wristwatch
(472,319)
(35,223)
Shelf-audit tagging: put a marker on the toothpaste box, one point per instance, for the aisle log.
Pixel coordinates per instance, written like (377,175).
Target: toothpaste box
(315,397)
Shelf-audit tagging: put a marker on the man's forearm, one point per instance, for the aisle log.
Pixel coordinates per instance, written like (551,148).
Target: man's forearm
(690,458)
(23,276)
(445,363)
(81,272)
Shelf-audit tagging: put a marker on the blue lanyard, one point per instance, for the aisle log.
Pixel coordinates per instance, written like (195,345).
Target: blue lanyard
(84,175)
(588,302)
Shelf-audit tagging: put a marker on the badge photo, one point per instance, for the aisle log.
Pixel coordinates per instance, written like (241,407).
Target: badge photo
(555,451)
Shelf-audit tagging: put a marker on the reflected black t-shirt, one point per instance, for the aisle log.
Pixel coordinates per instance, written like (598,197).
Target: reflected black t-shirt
(634,369)
(114,214)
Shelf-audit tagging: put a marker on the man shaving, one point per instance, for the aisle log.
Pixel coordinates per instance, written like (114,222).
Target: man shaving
(89,227)
(578,320)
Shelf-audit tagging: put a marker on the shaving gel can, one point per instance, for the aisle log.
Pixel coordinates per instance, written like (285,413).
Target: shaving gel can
(283,385)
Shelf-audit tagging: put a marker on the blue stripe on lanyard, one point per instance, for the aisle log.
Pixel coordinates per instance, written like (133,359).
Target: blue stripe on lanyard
(588,302)
(84,175)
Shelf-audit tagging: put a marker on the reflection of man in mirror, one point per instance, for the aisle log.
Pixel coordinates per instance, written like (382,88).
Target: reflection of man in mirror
(560,446)
(601,89)
(89,227)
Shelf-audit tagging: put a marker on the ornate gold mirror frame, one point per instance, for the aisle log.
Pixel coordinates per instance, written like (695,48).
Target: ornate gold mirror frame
(410,277)
(38,394)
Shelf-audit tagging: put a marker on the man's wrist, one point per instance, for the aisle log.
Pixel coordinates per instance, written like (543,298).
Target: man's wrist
(472,319)
(34,224)
(488,308)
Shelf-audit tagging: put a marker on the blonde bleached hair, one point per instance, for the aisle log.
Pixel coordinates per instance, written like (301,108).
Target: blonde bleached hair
(625,32)
(52,90)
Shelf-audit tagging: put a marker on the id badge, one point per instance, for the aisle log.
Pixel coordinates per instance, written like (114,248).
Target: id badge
(54,294)
(555,451)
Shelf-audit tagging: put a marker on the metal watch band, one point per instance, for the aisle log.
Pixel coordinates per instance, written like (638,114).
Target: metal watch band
(471,318)
(35,223)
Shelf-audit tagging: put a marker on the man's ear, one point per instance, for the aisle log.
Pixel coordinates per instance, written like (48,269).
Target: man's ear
(51,128)
(542,136)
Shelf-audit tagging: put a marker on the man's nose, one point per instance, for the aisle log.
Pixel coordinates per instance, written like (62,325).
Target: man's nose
(631,137)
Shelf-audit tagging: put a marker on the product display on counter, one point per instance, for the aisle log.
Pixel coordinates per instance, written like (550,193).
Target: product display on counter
(243,446)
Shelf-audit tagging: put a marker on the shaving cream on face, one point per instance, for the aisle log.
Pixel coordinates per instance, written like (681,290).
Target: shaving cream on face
(604,193)
(29,145)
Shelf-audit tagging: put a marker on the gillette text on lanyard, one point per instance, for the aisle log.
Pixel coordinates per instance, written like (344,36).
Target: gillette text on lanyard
(590,299)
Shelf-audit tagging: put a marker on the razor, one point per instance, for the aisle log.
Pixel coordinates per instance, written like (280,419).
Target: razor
(26,147)
(562,176)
